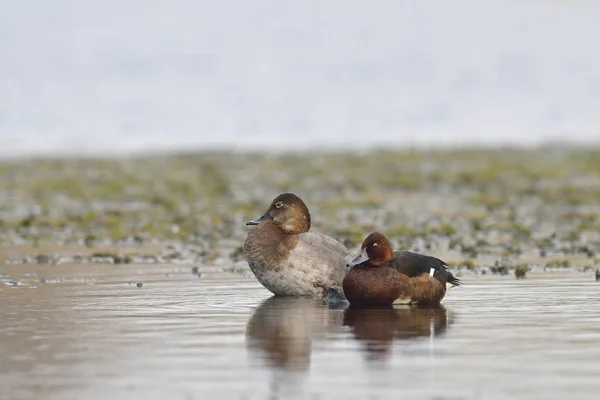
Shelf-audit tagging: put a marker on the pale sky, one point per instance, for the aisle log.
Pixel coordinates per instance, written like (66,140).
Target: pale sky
(80,75)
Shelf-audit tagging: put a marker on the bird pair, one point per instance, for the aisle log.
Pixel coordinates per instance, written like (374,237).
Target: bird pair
(289,260)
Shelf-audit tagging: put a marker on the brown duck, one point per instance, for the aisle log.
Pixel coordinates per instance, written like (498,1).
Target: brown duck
(378,276)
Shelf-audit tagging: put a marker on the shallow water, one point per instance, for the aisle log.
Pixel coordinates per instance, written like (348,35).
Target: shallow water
(94,334)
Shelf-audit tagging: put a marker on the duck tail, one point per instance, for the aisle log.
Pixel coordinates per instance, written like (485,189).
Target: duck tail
(452,280)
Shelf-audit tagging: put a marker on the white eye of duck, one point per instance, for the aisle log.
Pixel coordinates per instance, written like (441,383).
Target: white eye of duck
(279,204)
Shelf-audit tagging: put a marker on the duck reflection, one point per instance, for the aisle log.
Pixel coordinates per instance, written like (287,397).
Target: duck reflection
(282,329)
(377,328)
(282,333)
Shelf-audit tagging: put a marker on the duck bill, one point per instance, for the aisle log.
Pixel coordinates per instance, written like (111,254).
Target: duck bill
(359,259)
(265,217)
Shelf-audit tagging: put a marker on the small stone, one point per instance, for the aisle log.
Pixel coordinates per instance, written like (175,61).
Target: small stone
(521,271)
(597,275)
(499,270)
(139,284)
(42,259)
(237,254)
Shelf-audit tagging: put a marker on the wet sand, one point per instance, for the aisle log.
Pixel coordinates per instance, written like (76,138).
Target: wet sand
(88,331)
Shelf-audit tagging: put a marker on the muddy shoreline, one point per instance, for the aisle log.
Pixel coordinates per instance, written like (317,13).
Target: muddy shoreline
(481,210)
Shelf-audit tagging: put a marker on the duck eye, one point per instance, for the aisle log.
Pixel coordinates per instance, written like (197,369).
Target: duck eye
(279,204)
(374,244)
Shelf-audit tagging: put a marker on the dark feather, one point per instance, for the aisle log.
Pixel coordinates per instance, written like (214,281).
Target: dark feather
(415,264)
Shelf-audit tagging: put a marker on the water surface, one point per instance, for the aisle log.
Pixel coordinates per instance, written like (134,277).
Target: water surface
(90,332)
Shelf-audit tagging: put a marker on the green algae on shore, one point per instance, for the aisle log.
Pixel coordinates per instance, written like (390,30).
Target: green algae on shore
(468,206)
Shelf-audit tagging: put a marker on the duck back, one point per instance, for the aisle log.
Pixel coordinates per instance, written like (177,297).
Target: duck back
(322,254)
(415,264)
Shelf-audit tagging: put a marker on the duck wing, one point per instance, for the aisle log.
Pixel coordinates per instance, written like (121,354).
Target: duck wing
(415,264)
(326,245)
(324,255)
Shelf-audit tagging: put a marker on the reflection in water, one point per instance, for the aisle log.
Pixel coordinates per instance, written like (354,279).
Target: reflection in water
(184,337)
(376,328)
(281,332)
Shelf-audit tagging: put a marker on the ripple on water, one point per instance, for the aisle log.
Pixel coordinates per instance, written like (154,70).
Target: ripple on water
(223,335)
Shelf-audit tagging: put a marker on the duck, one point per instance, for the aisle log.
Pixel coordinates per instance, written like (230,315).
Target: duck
(378,276)
(286,258)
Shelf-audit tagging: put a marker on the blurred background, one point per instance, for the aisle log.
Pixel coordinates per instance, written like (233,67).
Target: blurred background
(138,136)
(113,77)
